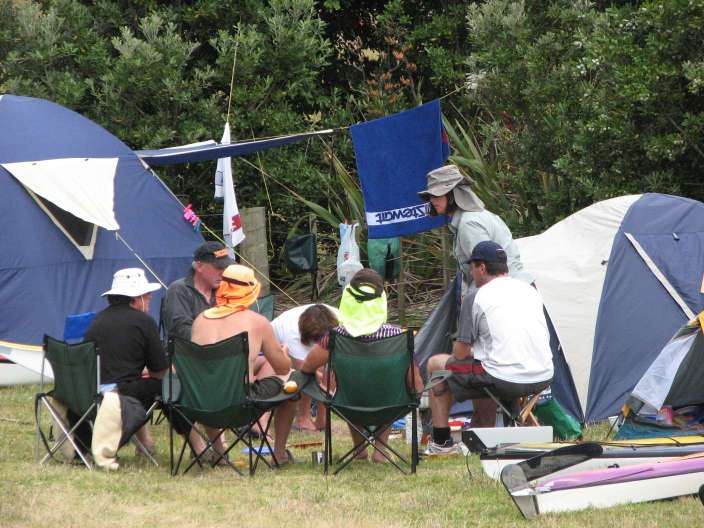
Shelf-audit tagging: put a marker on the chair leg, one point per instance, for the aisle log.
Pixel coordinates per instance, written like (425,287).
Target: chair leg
(500,406)
(264,441)
(328,439)
(369,439)
(65,434)
(251,464)
(414,440)
(180,456)
(171,447)
(526,415)
(144,450)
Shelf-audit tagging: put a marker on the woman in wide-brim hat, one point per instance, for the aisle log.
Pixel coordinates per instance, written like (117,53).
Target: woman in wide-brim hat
(449,193)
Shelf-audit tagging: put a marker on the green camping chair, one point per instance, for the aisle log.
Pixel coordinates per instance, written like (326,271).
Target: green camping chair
(211,387)
(76,370)
(265,306)
(372,393)
(515,412)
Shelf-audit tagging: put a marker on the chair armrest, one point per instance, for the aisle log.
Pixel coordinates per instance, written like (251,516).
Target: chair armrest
(303,381)
(310,387)
(437,378)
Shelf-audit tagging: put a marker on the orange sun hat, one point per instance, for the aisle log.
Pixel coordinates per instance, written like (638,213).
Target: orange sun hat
(238,290)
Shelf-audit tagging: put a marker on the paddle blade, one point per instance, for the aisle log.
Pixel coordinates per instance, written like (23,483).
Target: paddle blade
(514,480)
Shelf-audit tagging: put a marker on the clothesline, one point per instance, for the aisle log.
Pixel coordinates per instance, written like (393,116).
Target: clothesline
(333,130)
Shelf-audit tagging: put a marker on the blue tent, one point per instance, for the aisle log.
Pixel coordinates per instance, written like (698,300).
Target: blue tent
(618,278)
(46,271)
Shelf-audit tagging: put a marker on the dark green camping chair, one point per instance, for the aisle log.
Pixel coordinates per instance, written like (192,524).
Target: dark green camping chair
(211,387)
(372,393)
(265,306)
(76,370)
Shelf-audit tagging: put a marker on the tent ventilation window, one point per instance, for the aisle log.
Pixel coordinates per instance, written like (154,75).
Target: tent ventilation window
(77,194)
(82,234)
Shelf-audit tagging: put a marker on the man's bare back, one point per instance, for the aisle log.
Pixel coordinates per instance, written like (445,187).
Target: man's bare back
(260,333)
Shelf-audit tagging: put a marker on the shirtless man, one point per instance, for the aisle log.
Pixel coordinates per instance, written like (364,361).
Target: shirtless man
(238,290)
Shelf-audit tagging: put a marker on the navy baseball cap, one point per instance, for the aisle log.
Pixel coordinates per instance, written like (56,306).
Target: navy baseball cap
(488,251)
(213,253)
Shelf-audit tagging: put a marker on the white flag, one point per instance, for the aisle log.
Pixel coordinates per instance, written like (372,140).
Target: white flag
(231,224)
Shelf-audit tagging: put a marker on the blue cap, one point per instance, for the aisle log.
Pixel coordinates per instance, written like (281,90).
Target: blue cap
(488,251)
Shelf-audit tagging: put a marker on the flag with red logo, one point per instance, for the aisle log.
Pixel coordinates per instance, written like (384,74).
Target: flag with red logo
(231,224)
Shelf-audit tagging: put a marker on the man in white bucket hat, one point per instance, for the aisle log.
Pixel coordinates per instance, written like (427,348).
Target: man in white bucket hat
(127,337)
(128,341)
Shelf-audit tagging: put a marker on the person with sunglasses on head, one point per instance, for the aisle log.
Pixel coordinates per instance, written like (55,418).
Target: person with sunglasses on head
(362,314)
(238,290)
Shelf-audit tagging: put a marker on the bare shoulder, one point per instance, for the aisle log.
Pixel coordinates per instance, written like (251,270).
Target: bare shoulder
(257,319)
(197,328)
(199,319)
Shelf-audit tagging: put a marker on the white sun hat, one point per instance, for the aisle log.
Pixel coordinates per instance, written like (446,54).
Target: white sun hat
(131,282)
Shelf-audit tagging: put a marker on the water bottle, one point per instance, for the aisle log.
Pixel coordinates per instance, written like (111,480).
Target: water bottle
(409,428)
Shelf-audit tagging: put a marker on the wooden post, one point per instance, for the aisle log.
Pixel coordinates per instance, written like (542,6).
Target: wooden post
(254,246)
(401,285)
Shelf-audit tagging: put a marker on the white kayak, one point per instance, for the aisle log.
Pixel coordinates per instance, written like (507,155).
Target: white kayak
(535,494)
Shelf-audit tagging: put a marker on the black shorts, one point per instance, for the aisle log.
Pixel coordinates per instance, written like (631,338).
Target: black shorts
(146,390)
(469,379)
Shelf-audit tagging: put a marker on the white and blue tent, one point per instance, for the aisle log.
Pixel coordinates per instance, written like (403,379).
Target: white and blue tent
(618,279)
(78,204)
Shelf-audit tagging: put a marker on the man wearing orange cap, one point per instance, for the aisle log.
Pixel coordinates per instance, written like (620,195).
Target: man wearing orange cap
(238,290)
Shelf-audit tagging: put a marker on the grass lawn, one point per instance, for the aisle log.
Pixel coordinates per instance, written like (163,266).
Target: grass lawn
(442,494)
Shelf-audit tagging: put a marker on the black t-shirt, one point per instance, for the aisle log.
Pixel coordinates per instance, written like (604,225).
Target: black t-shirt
(128,340)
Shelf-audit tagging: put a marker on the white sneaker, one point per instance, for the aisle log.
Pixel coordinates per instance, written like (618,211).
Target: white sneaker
(448,448)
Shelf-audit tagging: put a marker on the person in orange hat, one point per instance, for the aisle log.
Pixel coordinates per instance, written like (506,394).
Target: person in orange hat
(238,290)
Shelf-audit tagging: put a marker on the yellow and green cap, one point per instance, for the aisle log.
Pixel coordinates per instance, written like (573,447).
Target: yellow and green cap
(362,309)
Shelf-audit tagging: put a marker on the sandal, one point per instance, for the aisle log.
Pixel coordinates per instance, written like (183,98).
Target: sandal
(290,460)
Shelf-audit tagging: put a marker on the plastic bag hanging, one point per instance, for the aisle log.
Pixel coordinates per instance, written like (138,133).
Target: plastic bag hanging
(348,259)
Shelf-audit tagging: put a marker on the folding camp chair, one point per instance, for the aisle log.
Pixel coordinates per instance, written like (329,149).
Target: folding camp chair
(520,415)
(76,325)
(76,370)
(265,306)
(372,392)
(211,387)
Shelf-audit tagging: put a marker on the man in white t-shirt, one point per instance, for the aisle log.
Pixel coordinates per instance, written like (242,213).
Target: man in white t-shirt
(300,329)
(503,343)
